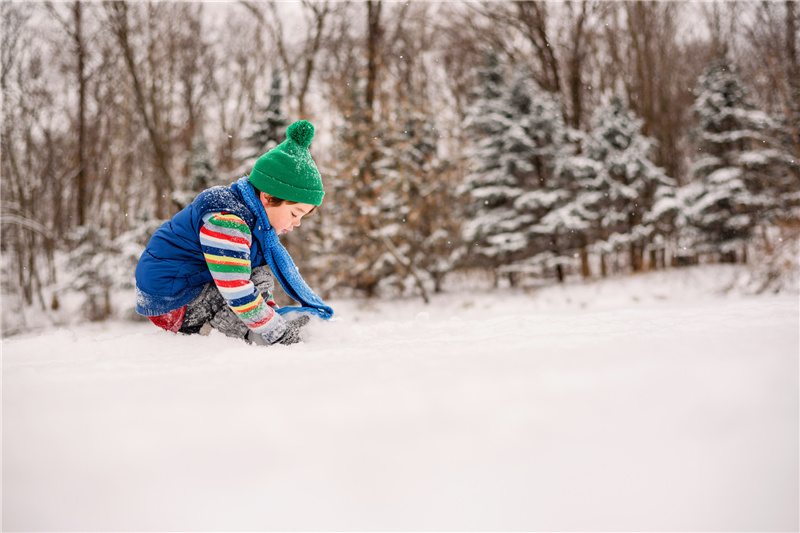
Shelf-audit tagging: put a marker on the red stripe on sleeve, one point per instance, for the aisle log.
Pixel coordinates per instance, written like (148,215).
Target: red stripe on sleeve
(264,321)
(224,237)
(230,284)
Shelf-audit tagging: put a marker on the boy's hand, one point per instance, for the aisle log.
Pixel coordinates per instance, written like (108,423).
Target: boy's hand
(292,334)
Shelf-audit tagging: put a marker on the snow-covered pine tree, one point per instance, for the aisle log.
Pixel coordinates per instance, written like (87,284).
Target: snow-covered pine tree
(511,157)
(544,127)
(90,270)
(491,189)
(741,176)
(390,229)
(353,254)
(419,196)
(266,131)
(604,193)
(269,128)
(572,205)
(98,267)
(632,182)
(666,217)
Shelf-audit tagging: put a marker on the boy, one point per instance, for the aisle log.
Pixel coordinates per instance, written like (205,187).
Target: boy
(207,267)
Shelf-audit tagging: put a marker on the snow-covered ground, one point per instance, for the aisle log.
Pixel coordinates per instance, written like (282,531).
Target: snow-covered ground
(649,403)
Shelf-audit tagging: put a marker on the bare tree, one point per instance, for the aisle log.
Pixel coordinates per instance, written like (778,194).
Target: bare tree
(147,103)
(660,70)
(772,30)
(236,68)
(577,52)
(29,149)
(296,63)
(75,31)
(191,53)
(532,21)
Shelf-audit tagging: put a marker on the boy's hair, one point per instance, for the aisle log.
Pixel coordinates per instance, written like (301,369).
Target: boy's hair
(274,201)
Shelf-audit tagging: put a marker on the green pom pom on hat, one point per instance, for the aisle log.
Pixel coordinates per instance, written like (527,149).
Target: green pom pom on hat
(301,132)
(287,171)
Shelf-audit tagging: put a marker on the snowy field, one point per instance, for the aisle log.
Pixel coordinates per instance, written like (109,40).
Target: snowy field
(650,403)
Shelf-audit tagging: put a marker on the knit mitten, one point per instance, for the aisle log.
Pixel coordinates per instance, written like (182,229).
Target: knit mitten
(263,280)
(291,336)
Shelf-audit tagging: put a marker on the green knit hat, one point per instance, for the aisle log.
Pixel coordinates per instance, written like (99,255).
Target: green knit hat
(287,171)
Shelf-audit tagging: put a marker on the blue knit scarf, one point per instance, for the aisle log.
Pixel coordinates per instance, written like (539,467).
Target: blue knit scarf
(278,259)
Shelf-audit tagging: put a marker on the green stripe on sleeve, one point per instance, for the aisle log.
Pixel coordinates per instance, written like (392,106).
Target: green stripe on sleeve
(242,269)
(253,312)
(239,226)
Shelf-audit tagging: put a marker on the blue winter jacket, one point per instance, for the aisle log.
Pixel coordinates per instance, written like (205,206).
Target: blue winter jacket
(172,270)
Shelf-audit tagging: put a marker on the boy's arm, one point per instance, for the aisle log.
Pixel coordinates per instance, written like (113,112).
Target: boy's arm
(226,242)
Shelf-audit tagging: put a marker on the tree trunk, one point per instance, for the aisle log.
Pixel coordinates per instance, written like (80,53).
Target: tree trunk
(586,270)
(373,35)
(513,279)
(80,177)
(560,273)
(793,76)
(575,64)
(320,14)
(533,16)
(438,279)
(636,257)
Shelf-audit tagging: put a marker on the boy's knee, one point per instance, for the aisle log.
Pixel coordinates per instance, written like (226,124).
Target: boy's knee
(203,308)
(228,323)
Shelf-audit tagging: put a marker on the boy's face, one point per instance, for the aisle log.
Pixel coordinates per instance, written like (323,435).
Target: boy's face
(285,217)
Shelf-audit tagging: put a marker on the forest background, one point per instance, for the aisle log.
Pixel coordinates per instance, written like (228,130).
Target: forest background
(522,143)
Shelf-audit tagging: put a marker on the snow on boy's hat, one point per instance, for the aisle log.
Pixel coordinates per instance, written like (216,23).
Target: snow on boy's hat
(287,171)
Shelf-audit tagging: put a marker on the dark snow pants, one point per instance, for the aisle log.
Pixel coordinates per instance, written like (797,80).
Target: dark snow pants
(209,307)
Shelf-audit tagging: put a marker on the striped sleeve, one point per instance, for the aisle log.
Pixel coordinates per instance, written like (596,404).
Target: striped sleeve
(226,242)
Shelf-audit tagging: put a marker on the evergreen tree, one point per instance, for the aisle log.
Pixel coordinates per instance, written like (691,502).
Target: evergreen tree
(606,192)
(666,217)
(491,188)
(421,233)
(354,255)
(545,191)
(518,132)
(574,211)
(270,125)
(632,181)
(741,176)
(393,231)
(267,130)
(88,270)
